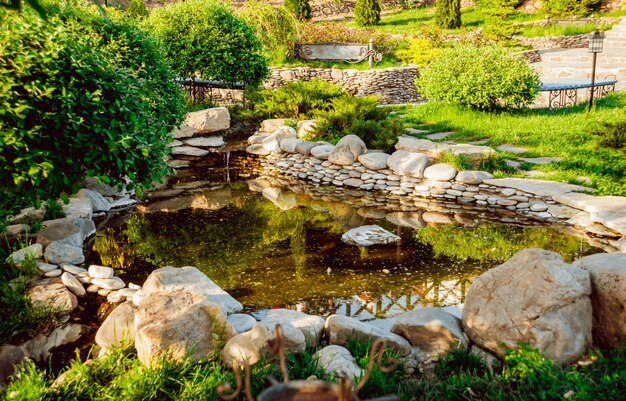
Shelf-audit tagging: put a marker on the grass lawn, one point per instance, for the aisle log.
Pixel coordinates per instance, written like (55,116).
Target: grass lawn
(563,133)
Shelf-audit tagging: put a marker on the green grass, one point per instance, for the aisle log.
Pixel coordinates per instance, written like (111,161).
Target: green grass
(523,375)
(561,30)
(563,132)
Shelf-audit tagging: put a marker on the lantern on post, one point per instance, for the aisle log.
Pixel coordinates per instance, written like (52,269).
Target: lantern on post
(596,40)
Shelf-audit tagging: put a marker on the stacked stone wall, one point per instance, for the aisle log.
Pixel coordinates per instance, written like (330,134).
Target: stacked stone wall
(555,42)
(392,85)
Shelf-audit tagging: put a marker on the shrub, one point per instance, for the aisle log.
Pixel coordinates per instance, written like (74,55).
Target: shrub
(611,134)
(82,96)
(480,77)
(448,14)
(570,8)
(275,27)
(137,9)
(204,37)
(367,12)
(418,51)
(301,9)
(329,32)
(498,24)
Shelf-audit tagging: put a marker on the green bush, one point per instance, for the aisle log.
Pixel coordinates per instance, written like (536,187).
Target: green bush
(204,37)
(480,77)
(498,22)
(275,27)
(80,96)
(301,9)
(412,4)
(570,8)
(611,134)
(367,12)
(448,14)
(418,51)
(137,9)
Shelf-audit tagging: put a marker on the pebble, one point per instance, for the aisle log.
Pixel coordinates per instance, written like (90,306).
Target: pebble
(93,288)
(104,292)
(97,271)
(84,280)
(46,267)
(114,283)
(73,269)
(114,297)
(54,273)
(73,284)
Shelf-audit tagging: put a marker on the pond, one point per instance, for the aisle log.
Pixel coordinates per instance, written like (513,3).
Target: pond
(281,247)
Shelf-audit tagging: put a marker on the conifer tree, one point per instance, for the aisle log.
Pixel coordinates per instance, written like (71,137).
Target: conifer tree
(448,14)
(301,9)
(367,12)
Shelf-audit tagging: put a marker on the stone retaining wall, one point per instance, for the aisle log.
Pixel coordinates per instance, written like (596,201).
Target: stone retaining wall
(392,85)
(555,42)
(332,8)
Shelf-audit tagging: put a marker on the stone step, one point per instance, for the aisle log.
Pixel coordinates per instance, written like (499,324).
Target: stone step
(615,44)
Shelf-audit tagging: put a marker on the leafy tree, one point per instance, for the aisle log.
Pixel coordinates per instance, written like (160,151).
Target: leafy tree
(80,96)
(137,9)
(367,12)
(204,37)
(448,14)
(301,9)
(480,77)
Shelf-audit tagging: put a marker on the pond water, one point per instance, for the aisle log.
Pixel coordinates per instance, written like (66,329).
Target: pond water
(282,248)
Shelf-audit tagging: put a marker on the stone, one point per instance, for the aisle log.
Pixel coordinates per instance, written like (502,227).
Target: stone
(215,141)
(440,172)
(473,177)
(347,150)
(54,273)
(240,322)
(184,131)
(78,208)
(175,143)
(113,283)
(541,160)
(92,289)
(432,330)
(407,163)
(511,149)
(339,329)
(306,127)
(73,269)
(98,202)
(40,347)
(305,147)
(97,271)
(272,125)
(289,145)
(536,187)
(439,135)
(533,298)
(257,139)
(374,161)
(210,120)
(406,219)
(368,236)
(338,362)
(538,207)
(16,230)
(68,231)
(28,215)
(284,200)
(608,296)
(118,328)
(103,292)
(437,218)
(73,284)
(610,211)
(53,294)
(170,280)
(487,357)
(311,326)
(17,258)
(46,267)
(353,182)
(59,253)
(115,297)
(189,151)
(434,150)
(251,346)
(270,143)
(322,152)
(11,359)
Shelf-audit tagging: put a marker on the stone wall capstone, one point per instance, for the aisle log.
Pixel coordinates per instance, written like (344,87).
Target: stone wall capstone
(392,85)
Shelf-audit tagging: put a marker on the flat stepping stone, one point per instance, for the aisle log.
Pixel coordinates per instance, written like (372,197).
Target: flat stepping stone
(369,235)
(535,174)
(415,131)
(439,135)
(541,160)
(205,142)
(511,148)
(479,142)
(189,151)
(513,164)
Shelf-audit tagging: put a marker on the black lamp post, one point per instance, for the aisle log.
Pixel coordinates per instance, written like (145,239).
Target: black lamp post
(595,47)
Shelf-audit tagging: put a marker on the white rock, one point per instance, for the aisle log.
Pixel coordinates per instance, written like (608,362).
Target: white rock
(53,294)
(73,284)
(305,147)
(440,172)
(311,326)
(46,267)
(59,253)
(257,149)
(127,292)
(341,328)
(368,236)
(338,362)
(205,142)
(73,269)
(289,145)
(54,273)
(84,279)
(184,131)
(104,292)
(473,177)
(134,286)
(322,152)
(407,163)
(210,120)
(256,139)
(93,289)
(68,231)
(306,127)
(113,283)
(118,327)
(347,150)
(240,322)
(285,132)
(272,124)
(114,297)
(34,251)
(534,298)
(98,202)
(97,271)
(189,151)
(78,208)
(374,161)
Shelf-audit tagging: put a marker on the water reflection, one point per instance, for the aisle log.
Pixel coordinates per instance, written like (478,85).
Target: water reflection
(282,248)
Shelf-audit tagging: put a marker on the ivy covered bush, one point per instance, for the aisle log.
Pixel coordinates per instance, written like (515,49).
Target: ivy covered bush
(367,12)
(570,8)
(203,37)
(482,77)
(80,95)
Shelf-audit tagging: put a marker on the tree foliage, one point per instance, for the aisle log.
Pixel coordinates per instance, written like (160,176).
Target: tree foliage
(204,37)
(137,9)
(301,9)
(480,77)
(80,95)
(570,8)
(367,12)
(448,14)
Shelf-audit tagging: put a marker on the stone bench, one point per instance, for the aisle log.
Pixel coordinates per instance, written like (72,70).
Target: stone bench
(566,93)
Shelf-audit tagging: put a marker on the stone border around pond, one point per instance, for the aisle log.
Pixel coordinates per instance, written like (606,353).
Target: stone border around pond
(414,173)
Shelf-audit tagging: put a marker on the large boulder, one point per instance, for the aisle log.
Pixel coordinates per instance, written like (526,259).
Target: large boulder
(289,145)
(473,177)
(51,293)
(210,120)
(440,172)
(608,296)
(68,231)
(339,329)
(98,202)
(432,330)
(251,346)
(403,162)
(338,362)
(58,253)
(33,252)
(240,322)
(272,124)
(368,236)
(170,280)
(322,152)
(533,298)
(374,161)
(310,325)
(347,150)
(118,327)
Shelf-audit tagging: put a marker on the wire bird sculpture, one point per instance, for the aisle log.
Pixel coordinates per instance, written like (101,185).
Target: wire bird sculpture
(307,390)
